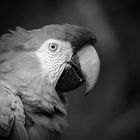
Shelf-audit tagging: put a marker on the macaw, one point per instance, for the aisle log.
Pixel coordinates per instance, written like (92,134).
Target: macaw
(37,69)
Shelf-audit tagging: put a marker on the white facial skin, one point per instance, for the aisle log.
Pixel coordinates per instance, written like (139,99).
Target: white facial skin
(53,55)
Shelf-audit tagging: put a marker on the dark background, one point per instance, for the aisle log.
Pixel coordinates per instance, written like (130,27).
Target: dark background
(112,110)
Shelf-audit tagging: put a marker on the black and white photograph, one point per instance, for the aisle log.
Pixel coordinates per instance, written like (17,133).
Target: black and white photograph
(69,70)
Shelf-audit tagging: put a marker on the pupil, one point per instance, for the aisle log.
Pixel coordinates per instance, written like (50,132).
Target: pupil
(53,47)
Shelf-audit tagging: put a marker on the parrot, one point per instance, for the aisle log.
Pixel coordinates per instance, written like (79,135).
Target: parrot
(37,69)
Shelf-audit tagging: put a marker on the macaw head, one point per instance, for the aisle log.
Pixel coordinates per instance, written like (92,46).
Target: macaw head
(62,54)
(67,56)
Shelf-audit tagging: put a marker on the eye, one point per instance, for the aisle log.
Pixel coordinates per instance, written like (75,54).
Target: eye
(53,47)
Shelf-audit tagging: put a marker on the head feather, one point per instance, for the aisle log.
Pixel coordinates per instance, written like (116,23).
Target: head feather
(76,35)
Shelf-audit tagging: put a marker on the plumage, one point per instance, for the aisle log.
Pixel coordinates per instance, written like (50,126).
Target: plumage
(36,68)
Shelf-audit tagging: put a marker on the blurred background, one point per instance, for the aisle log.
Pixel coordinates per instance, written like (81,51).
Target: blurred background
(112,110)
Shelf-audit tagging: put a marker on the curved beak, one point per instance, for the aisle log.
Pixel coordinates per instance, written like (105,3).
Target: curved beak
(83,67)
(90,65)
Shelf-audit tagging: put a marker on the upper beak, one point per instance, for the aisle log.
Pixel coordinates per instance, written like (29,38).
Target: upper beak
(90,65)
